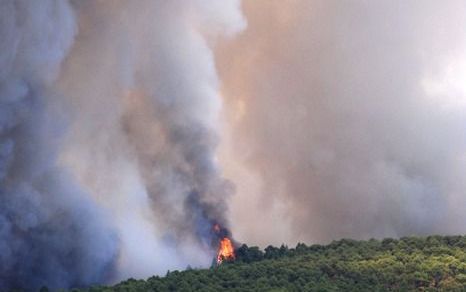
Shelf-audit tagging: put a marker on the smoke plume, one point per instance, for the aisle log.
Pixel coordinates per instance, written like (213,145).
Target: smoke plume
(346,119)
(109,125)
(126,126)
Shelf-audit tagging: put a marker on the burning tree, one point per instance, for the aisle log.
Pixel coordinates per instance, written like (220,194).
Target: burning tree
(225,250)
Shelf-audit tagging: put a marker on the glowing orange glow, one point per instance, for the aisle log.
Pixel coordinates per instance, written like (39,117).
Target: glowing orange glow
(225,251)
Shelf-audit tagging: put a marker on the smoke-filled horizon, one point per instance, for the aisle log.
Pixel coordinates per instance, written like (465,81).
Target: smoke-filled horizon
(346,119)
(128,129)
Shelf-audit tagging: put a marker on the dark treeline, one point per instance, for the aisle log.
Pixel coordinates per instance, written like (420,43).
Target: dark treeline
(434,263)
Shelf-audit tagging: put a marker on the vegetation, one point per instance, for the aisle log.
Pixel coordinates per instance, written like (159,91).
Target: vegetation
(433,263)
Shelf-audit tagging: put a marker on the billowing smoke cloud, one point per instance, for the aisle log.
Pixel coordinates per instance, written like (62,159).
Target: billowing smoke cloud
(347,119)
(51,233)
(344,119)
(144,127)
(108,131)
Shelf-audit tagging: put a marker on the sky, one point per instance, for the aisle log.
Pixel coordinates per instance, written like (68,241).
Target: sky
(128,129)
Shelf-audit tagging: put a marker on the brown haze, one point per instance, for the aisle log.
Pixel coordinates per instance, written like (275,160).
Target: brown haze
(346,119)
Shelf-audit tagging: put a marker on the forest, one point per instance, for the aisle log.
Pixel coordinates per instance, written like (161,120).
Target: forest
(434,263)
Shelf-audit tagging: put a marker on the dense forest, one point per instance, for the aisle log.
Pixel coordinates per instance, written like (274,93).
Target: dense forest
(434,263)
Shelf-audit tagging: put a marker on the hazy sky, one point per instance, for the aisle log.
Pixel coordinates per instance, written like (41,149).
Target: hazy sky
(129,128)
(346,119)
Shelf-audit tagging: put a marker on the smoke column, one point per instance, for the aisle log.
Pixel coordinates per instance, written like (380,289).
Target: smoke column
(346,119)
(108,130)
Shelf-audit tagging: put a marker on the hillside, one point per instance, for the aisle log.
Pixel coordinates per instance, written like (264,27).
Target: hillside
(434,263)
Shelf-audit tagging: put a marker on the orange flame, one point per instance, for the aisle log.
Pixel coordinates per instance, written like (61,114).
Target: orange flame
(225,251)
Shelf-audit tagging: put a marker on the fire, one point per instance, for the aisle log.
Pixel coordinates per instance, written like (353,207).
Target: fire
(225,250)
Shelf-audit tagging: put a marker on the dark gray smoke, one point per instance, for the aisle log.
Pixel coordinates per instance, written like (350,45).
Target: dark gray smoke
(109,117)
(51,232)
